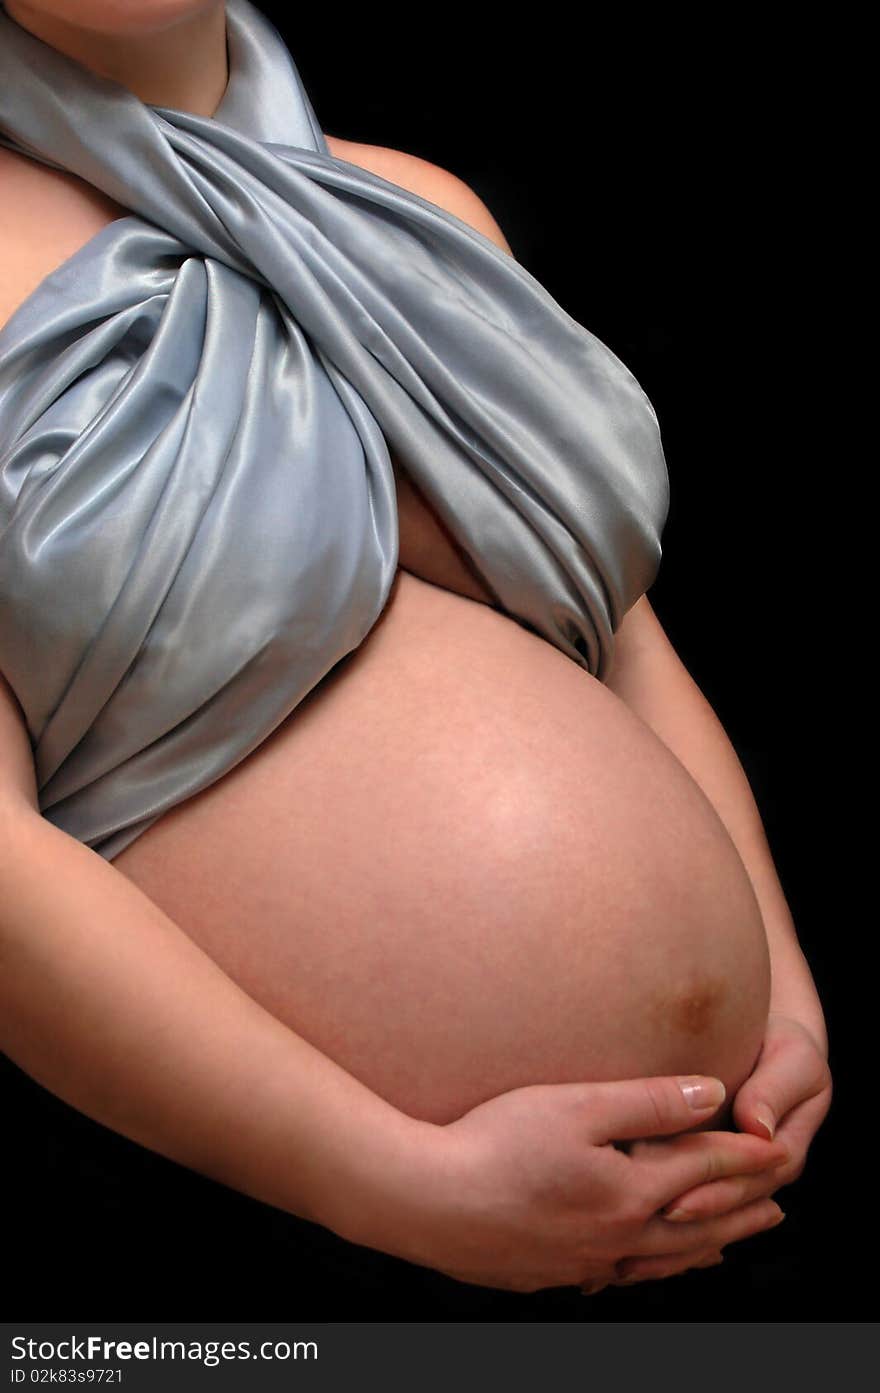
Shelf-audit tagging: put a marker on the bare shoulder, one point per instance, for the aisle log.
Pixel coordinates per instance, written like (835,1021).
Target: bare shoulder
(34,191)
(45,216)
(429,181)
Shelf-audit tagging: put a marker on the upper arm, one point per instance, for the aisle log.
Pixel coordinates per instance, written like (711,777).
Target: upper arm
(429,181)
(17,776)
(638,629)
(642,651)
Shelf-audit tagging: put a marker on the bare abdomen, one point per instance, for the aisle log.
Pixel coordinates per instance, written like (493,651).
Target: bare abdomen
(463,865)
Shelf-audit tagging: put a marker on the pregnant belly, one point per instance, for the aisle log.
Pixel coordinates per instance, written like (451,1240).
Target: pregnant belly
(463,865)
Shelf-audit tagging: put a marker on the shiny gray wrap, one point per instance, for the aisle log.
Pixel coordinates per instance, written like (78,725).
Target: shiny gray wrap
(197,503)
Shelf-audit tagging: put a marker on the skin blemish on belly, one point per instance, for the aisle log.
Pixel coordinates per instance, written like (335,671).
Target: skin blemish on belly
(693,1009)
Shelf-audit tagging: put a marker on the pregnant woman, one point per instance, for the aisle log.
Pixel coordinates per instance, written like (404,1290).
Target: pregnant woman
(369,848)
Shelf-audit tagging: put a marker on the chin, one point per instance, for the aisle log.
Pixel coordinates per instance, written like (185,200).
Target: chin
(122,17)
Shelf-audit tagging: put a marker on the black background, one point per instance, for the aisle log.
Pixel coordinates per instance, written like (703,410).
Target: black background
(666,183)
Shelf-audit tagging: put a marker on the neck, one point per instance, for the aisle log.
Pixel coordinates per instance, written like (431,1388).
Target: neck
(182,65)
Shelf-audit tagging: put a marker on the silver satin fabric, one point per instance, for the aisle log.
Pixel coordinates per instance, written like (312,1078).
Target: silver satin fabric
(197,504)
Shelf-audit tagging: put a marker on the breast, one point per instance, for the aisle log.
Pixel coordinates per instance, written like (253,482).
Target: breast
(463,865)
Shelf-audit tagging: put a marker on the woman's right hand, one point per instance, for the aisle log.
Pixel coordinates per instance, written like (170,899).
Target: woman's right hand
(528,1189)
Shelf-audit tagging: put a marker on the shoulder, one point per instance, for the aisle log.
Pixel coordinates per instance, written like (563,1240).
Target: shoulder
(429,181)
(45,216)
(30,186)
(35,189)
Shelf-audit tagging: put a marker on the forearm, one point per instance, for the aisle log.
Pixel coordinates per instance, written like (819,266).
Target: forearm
(109,1005)
(649,676)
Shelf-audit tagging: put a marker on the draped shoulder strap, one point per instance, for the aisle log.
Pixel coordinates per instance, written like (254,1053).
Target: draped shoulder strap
(197,503)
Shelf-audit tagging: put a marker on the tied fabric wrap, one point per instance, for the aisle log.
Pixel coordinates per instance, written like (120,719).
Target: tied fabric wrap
(197,502)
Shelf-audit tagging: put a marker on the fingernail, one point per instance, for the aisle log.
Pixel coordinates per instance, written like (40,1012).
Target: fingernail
(702,1093)
(777,1219)
(680,1216)
(626,1281)
(591,1288)
(766,1119)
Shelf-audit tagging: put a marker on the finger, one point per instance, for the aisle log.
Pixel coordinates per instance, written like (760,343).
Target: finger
(800,1126)
(592,1288)
(798,1129)
(597,1279)
(723,1196)
(665,1170)
(633,1108)
(787,1074)
(796,1132)
(649,1269)
(660,1237)
(710,1260)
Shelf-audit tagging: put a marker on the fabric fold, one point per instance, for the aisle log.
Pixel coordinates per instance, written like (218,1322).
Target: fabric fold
(197,503)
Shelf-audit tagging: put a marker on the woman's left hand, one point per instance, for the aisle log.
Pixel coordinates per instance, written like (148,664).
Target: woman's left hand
(787,1097)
